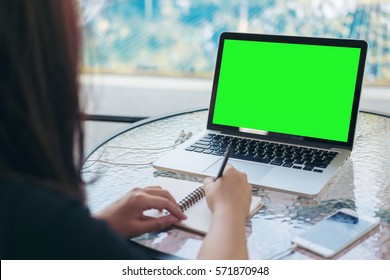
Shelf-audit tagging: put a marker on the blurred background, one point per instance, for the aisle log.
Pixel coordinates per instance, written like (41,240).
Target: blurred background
(152,57)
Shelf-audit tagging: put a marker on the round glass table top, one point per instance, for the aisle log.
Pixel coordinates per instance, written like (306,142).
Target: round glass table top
(363,184)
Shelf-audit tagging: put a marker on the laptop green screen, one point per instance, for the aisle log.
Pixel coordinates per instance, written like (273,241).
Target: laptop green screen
(295,89)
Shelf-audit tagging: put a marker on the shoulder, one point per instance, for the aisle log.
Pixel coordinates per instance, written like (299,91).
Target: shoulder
(37,223)
(26,204)
(18,196)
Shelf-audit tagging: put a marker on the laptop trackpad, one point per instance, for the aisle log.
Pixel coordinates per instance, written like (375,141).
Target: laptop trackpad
(254,171)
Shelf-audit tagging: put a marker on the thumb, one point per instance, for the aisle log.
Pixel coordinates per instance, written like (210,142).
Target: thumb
(156,224)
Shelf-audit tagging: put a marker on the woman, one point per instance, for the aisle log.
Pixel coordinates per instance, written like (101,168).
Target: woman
(43,215)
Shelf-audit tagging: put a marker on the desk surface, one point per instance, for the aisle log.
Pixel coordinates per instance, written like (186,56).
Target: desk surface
(363,184)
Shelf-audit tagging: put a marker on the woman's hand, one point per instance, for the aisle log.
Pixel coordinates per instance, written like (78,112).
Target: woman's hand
(230,192)
(229,198)
(126,215)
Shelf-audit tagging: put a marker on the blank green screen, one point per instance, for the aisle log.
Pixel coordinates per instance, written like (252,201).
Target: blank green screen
(303,90)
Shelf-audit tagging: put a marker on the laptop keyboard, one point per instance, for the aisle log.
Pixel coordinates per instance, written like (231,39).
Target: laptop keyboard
(289,156)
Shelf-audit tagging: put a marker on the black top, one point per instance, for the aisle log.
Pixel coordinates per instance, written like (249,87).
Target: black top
(37,223)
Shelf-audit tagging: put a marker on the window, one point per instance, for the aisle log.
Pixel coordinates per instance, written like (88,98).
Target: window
(145,42)
(179,37)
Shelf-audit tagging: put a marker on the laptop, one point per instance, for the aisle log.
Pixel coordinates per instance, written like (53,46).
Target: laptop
(288,105)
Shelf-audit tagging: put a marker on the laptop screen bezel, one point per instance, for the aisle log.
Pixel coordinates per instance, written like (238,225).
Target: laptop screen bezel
(353,43)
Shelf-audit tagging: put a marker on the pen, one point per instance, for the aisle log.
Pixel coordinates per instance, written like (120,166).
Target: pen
(225,160)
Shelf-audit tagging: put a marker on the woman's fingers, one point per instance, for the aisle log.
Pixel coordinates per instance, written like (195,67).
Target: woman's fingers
(158,191)
(161,202)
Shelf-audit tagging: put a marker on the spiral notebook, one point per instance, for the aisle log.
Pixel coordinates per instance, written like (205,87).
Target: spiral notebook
(190,197)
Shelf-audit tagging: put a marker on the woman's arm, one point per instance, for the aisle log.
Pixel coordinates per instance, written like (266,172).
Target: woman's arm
(229,199)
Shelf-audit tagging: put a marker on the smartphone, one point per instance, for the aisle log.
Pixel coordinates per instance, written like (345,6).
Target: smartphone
(335,233)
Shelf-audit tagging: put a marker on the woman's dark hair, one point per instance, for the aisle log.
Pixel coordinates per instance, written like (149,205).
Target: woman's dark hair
(41,138)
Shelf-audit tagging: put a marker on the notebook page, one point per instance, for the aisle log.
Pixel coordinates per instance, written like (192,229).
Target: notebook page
(198,215)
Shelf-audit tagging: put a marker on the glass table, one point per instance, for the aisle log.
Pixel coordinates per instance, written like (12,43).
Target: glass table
(125,161)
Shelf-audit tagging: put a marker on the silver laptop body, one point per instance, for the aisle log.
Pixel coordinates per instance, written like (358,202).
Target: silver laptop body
(298,95)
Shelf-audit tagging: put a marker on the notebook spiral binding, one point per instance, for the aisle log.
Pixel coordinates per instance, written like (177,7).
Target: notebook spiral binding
(191,199)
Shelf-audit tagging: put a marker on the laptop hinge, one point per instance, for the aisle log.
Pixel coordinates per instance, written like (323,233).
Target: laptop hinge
(289,141)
